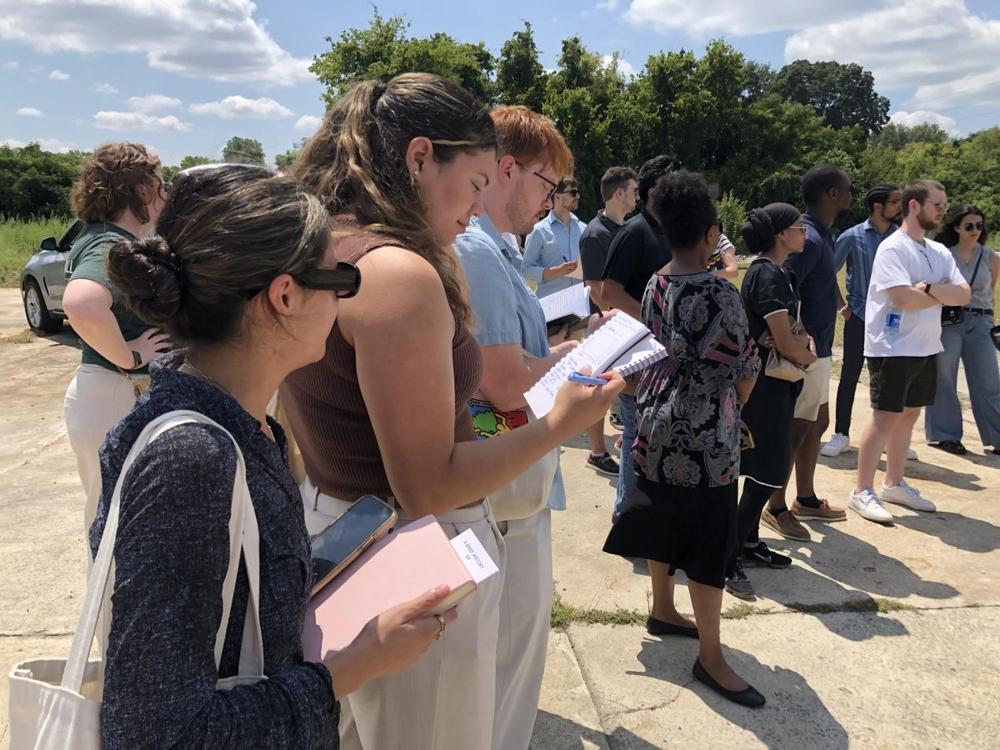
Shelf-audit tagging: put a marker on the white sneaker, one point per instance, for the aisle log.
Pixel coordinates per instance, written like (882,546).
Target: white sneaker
(911,455)
(904,494)
(835,446)
(867,505)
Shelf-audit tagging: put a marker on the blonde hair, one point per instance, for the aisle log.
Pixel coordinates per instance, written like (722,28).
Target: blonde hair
(356,161)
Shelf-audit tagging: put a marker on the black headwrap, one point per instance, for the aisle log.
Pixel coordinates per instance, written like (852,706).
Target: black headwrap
(763,224)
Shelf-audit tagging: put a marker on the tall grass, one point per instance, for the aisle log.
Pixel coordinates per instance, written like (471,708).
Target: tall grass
(19,241)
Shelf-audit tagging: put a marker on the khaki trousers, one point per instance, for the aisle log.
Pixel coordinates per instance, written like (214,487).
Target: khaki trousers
(525,612)
(446,700)
(97,399)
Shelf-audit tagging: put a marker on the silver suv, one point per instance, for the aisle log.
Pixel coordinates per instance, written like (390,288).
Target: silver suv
(43,281)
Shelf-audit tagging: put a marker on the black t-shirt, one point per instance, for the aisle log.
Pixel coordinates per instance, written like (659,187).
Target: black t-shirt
(767,288)
(594,244)
(637,252)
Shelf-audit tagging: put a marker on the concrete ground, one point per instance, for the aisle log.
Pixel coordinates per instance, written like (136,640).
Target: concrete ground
(877,637)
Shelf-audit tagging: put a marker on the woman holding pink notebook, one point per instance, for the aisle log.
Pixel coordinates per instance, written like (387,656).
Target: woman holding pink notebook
(402,166)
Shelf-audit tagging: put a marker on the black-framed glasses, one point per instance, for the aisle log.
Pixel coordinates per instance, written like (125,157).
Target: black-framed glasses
(344,280)
(978,226)
(539,175)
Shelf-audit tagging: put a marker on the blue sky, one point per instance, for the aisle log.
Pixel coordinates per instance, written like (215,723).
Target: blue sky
(186,76)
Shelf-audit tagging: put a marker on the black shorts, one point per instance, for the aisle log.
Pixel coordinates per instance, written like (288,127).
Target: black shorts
(898,382)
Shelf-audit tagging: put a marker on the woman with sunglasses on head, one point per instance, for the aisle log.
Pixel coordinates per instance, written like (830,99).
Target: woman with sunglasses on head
(402,166)
(967,338)
(119,195)
(241,273)
(682,513)
(771,299)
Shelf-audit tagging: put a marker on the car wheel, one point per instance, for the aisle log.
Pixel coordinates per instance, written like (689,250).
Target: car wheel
(36,312)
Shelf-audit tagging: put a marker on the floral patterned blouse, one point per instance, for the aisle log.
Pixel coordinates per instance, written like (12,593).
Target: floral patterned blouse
(688,412)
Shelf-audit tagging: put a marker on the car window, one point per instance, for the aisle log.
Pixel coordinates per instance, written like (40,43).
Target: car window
(70,234)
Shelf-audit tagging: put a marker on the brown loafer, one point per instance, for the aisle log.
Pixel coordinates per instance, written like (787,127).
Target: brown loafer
(786,524)
(825,512)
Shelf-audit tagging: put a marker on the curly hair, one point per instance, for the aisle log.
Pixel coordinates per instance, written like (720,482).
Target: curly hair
(112,179)
(683,202)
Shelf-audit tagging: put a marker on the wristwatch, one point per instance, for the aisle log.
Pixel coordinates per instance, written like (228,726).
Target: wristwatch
(136,360)
(927,289)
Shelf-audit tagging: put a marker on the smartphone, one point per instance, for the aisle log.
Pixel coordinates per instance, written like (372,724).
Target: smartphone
(334,548)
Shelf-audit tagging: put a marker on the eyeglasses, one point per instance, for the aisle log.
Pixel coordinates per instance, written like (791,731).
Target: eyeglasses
(574,193)
(551,194)
(801,227)
(978,226)
(344,280)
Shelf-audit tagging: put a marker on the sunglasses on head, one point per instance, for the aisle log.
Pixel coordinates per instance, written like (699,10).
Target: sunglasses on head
(344,280)
(978,226)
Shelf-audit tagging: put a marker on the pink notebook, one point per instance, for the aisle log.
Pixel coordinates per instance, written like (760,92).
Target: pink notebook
(398,567)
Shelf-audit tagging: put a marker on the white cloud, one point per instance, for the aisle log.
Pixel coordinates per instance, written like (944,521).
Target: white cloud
(47,144)
(240,106)
(976,89)
(58,75)
(152,103)
(739,18)
(10,65)
(922,116)
(29,112)
(624,66)
(917,43)
(105,88)
(308,122)
(138,121)
(215,39)
(607,4)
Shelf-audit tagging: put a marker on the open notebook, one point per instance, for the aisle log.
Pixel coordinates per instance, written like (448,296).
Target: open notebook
(623,344)
(400,566)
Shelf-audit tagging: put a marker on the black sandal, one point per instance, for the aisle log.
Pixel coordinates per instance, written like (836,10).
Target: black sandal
(954,447)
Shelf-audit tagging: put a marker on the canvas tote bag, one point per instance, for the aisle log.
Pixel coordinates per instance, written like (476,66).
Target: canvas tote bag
(55,704)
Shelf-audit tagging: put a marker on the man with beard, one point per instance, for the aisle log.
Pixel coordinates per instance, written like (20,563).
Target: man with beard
(856,247)
(552,250)
(828,192)
(912,277)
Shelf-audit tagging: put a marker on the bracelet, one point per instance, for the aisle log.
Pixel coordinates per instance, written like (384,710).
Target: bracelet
(136,360)
(927,290)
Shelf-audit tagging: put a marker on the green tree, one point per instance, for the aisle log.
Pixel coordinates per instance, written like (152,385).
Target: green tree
(895,136)
(243,151)
(733,212)
(34,182)
(843,95)
(521,78)
(284,161)
(384,50)
(169,173)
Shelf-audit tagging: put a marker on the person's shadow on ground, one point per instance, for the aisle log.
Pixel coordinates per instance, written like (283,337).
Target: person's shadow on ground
(554,732)
(955,530)
(793,717)
(917,470)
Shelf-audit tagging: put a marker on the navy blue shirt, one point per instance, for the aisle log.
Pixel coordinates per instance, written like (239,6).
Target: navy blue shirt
(171,554)
(817,279)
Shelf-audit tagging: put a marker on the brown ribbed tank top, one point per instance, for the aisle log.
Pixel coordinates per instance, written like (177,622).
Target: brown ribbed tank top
(327,413)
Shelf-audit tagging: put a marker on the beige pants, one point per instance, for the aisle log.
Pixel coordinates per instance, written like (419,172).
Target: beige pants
(525,611)
(97,399)
(446,700)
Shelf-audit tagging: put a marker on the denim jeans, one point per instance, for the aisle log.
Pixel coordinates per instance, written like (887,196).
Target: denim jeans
(626,467)
(968,341)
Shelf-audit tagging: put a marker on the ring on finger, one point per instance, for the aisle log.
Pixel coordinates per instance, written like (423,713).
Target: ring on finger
(441,626)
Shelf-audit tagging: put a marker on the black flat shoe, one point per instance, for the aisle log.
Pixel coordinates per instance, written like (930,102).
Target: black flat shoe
(659,627)
(748,697)
(954,447)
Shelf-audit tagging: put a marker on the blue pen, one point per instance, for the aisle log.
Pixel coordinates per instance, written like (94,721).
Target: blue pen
(576,377)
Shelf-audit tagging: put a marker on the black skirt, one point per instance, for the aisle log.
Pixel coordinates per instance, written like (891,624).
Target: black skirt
(688,528)
(768,415)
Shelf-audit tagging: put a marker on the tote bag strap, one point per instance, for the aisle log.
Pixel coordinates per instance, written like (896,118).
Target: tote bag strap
(243,536)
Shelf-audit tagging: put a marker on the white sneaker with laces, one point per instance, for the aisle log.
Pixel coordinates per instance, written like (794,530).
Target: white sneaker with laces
(904,494)
(867,505)
(835,445)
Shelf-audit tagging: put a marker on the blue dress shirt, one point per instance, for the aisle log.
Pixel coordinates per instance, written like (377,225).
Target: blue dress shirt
(506,310)
(857,246)
(551,243)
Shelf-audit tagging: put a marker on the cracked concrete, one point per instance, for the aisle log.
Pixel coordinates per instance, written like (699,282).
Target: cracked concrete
(840,674)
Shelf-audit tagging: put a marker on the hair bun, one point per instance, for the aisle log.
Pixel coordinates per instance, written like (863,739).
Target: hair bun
(150,277)
(758,231)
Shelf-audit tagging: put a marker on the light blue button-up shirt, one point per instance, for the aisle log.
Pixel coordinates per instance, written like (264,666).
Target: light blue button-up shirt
(856,247)
(552,243)
(506,310)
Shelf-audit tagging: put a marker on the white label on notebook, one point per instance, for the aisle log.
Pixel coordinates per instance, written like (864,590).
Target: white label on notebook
(475,557)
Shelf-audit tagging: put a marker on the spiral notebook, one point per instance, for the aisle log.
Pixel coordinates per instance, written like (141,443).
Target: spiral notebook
(623,344)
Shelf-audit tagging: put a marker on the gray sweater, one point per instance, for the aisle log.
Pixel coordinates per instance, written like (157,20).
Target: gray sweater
(171,555)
